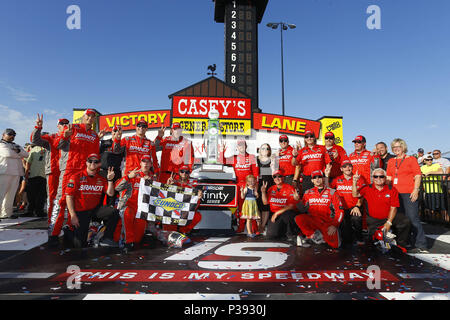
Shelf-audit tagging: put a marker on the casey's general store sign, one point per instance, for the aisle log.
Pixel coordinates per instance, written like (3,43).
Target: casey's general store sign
(235,114)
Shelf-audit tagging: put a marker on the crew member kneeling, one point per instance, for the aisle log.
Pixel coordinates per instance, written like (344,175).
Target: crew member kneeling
(133,229)
(84,194)
(282,198)
(382,204)
(325,213)
(185,182)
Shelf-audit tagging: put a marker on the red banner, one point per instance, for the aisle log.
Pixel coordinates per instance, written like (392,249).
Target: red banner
(298,276)
(289,125)
(199,107)
(128,121)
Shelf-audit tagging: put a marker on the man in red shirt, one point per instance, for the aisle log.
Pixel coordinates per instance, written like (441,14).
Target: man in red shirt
(243,164)
(176,151)
(135,147)
(364,161)
(337,155)
(77,142)
(282,199)
(310,158)
(382,204)
(185,182)
(351,226)
(132,229)
(84,193)
(50,143)
(325,213)
(284,158)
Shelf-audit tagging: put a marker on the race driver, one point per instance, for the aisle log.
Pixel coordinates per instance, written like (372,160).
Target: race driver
(135,147)
(132,229)
(50,143)
(325,213)
(177,151)
(78,141)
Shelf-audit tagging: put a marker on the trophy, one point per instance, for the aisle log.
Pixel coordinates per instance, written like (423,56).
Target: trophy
(212,137)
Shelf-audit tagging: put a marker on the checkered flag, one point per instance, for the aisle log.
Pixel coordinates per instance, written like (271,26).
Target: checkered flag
(165,203)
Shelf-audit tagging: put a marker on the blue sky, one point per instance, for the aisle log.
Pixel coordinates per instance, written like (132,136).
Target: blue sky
(130,55)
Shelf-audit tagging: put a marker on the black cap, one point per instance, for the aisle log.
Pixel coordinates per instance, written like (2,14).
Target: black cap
(10,132)
(420,150)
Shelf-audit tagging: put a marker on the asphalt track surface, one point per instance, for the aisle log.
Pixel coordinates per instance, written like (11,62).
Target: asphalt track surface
(217,267)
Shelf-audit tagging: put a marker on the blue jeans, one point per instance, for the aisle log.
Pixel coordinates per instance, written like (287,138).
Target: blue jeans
(411,210)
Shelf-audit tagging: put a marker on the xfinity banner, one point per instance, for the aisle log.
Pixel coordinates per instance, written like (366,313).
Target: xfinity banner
(218,195)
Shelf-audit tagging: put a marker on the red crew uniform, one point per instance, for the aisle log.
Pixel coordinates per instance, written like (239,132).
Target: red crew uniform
(280,198)
(343,188)
(74,151)
(336,163)
(87,191)
(136,147)
(132,228)
(364,162)
(49,142)
(174,155)
(285,161)
(312,159)
(324,210)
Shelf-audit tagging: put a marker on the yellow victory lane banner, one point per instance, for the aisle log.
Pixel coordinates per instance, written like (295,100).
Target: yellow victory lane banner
(332,124)
(227,126)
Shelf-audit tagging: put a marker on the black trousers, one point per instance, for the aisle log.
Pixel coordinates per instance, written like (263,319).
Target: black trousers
(284,226)
(104,213)
(306,184)
(111,201)
(400,227)
(37,195)
(351,228)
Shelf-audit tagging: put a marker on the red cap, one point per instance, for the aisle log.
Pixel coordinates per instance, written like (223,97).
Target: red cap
(176,125)
(309,132)
(63,121)
(346,162)
(317,173)
(279,171)
(142,122)
(329,134)
(283,136)
(146,157)
(185,167)
(93,155)
(359,138)
(116,128)
(90,112)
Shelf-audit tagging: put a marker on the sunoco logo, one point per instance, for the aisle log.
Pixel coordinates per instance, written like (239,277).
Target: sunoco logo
(168,204)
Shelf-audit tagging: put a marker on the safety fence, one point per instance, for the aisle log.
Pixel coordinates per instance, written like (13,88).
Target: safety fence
(434,198)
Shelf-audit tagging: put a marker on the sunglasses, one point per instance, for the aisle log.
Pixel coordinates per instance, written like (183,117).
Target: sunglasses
(436,153)
(11,134)
(185,171)
(284,140)
(277,176)
(93,161)
(317,177)
(329,138)
(142,126)
(63,123)
(357,141)
(379,177)
(309,136)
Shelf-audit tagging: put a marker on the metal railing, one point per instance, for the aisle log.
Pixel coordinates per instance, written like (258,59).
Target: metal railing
(434,198)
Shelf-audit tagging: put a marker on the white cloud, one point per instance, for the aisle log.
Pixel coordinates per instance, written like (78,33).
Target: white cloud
(433,126)
(21,95)
(24,124)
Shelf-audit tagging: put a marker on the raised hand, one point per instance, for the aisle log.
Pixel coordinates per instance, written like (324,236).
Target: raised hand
(328,169)
(356,177)
(111,173)
(264,186)
(39,120)
(101,133)
(67,131)
(171,179)
(161,131)
(132,174)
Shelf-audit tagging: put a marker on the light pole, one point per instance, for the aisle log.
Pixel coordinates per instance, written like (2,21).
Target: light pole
(283,26)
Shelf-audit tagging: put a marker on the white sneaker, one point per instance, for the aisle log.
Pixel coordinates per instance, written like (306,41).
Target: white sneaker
(302,242)
(317,237)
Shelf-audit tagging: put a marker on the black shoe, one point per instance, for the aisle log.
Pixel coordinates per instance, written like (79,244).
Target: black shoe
(28,214)
(127,247)
(14,216)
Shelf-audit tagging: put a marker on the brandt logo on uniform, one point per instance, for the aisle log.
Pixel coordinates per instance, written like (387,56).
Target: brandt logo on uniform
(86,187)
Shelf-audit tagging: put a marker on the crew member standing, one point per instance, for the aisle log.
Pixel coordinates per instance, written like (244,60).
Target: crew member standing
(337,155)
(284,157)
(135,147)
(363,161)
(177,151)
(78,141)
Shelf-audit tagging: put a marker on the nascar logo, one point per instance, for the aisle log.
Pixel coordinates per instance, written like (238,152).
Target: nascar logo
(168,204)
